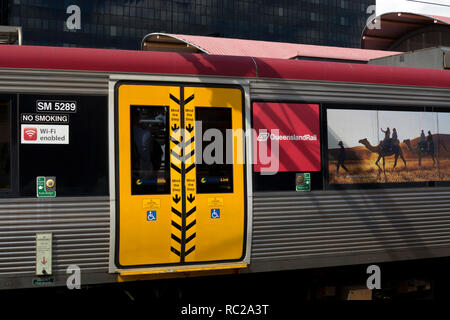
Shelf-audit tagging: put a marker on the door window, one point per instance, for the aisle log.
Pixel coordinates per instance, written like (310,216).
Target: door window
(150,172)
(215,170)
(5,154)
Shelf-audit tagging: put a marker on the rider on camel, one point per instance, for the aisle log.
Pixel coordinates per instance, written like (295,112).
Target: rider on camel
(385,145)
(422,142)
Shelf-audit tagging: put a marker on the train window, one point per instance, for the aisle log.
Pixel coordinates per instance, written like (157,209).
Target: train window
(386,146)
(5,154)
(150,168)
(66,137)
(214,173)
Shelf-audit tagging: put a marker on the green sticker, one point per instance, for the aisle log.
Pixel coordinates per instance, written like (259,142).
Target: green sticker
(303,182)
(43,281)
(41,189)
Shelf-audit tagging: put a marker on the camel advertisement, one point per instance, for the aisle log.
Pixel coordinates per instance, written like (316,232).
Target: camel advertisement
(372,146)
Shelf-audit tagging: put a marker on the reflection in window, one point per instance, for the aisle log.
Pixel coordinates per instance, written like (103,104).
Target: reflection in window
(150,168)
(214,176)
(5,168)
(191,17)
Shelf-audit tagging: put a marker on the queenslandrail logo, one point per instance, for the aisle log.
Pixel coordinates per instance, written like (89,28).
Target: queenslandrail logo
(142,181)
(264,136)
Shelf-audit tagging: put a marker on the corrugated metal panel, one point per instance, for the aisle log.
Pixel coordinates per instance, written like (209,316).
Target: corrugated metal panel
(431,58)
(80,228)
(318,225)
(74,82)
(321,92)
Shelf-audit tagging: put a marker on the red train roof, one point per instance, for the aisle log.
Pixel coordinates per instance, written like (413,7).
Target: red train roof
(105,60)
(61,58)
(348,72)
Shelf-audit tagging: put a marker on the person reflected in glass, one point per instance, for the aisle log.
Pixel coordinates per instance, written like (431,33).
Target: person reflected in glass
(143,142)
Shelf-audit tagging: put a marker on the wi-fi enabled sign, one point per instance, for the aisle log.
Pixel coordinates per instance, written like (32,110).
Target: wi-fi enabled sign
(29,134)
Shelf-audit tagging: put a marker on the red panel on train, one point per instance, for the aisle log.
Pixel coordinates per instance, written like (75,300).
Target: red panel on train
(296,130)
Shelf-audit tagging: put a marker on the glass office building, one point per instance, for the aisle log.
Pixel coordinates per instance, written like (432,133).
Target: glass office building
(123,24)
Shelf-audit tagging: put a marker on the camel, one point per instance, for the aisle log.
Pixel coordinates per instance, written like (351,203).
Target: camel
(397,151)
(421,153)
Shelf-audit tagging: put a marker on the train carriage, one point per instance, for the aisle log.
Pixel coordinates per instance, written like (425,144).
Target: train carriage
(112,161)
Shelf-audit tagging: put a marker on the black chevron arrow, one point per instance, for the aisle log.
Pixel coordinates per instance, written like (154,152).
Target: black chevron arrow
(176,225)
(191,211)
(175,141)
(189,128)
(176,198)
(175,168)
(174,237)
(175,127)
(190,225)
(192,166)
(189,251)
(176,155)
(189,99)
(191,198)
(189,141)
(178,213)
(175,251)
(192,236)
(174,99)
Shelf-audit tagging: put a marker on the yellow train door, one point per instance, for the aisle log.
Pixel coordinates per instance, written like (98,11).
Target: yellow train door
(181,181)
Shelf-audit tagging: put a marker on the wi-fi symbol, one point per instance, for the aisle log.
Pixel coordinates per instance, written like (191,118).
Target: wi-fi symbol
(30,133)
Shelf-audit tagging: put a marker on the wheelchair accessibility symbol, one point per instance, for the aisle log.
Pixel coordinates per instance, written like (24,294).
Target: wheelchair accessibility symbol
(151,215)
(215,213)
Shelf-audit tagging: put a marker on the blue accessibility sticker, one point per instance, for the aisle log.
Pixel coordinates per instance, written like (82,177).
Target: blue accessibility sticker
(151,215)
(215,213)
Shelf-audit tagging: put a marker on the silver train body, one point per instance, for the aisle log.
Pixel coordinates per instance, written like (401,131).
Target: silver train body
(289,230)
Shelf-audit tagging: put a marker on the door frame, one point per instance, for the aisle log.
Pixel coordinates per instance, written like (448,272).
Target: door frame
(113,173)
